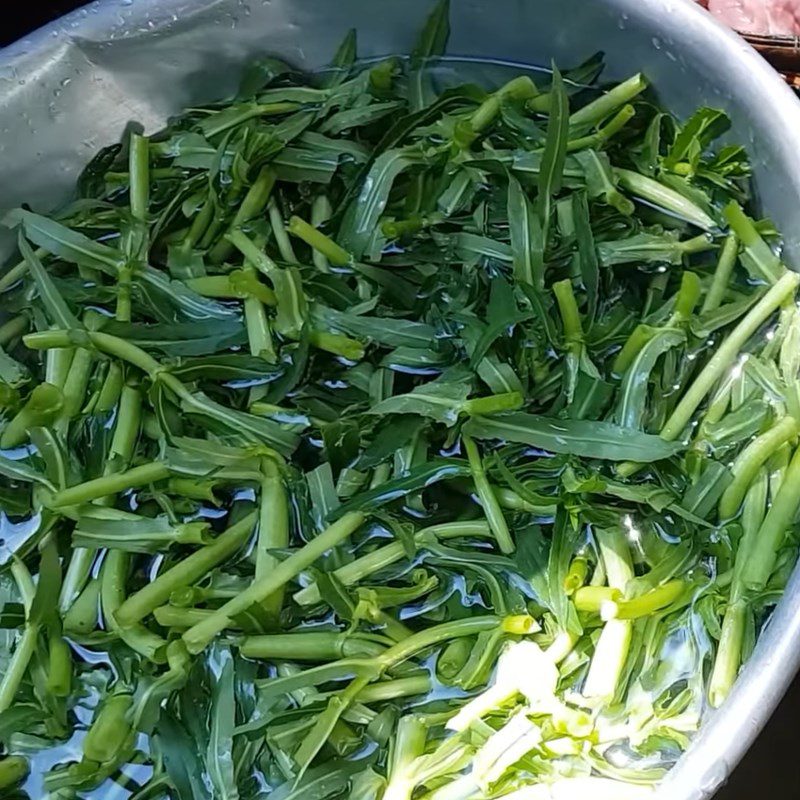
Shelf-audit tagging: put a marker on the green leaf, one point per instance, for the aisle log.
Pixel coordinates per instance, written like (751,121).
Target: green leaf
(388,332)
(585,438)
(135,534)
(342,61)
(394,434)
(601,181)
(433,38)
(45,601)
(645,247)
(193,338)
(432,42)
(705,125)
(440,400)
(632,403)
(527,244)
(222,722)
(551,174)
(587,253)
(181,760)
(362,216)
(418,478)
(67,244)
(57,308)
(319,783)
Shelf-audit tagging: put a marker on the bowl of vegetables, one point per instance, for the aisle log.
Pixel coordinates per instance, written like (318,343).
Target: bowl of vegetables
(395,407)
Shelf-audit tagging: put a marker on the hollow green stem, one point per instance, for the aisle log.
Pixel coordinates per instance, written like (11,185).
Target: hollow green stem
(77,382)
(687,298)
(321,243)
(608,131)
(254,202)
(756,255)
(181,619)
(279,232)
(121,451)
(246,283)
(429,637)
(408,745)
(110,485)
(722,274)
(652,601)
(568,310)
(754,509)
(726,354)
(18,272)
(110,730)
(576,575)
(395,689)
(111,390)
(18,666)
(608,103)
(139,172)
(126,429)
(764,553)
(81,561)
(510,500)
(639,337)
(198,637)
(491,507)
(57,363)
(592,598)
(338,344)
(13,329)
(273,532)
(110,345)
(309,646)
(321,211)
(112,595)
(751,459)
(44,405)
(13,770)
(124,309)
(184,573)
(259,334)
(520,88)
(232,287)
(389,554)
(59,667)
(81,615)
(729,653)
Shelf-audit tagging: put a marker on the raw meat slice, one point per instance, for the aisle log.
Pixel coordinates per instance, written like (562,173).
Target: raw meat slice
(774,17)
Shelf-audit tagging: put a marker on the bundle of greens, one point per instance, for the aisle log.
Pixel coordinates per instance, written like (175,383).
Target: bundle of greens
(368,438)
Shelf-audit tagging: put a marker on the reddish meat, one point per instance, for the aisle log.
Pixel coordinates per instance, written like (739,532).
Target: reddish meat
(775,17)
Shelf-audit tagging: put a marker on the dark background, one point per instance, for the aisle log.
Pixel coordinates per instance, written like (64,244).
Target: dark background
(772,767)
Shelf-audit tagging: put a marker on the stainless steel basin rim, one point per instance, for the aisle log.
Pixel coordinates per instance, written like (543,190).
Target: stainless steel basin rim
(72,87)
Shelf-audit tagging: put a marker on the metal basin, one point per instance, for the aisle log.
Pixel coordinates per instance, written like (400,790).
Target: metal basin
(72,87)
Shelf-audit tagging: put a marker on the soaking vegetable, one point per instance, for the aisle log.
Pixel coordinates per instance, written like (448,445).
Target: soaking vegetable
(368,436)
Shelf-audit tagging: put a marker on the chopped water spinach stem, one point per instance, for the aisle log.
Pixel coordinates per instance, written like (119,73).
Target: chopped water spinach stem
(363,440)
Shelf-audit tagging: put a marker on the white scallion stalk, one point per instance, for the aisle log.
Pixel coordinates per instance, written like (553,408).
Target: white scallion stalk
(612,648)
